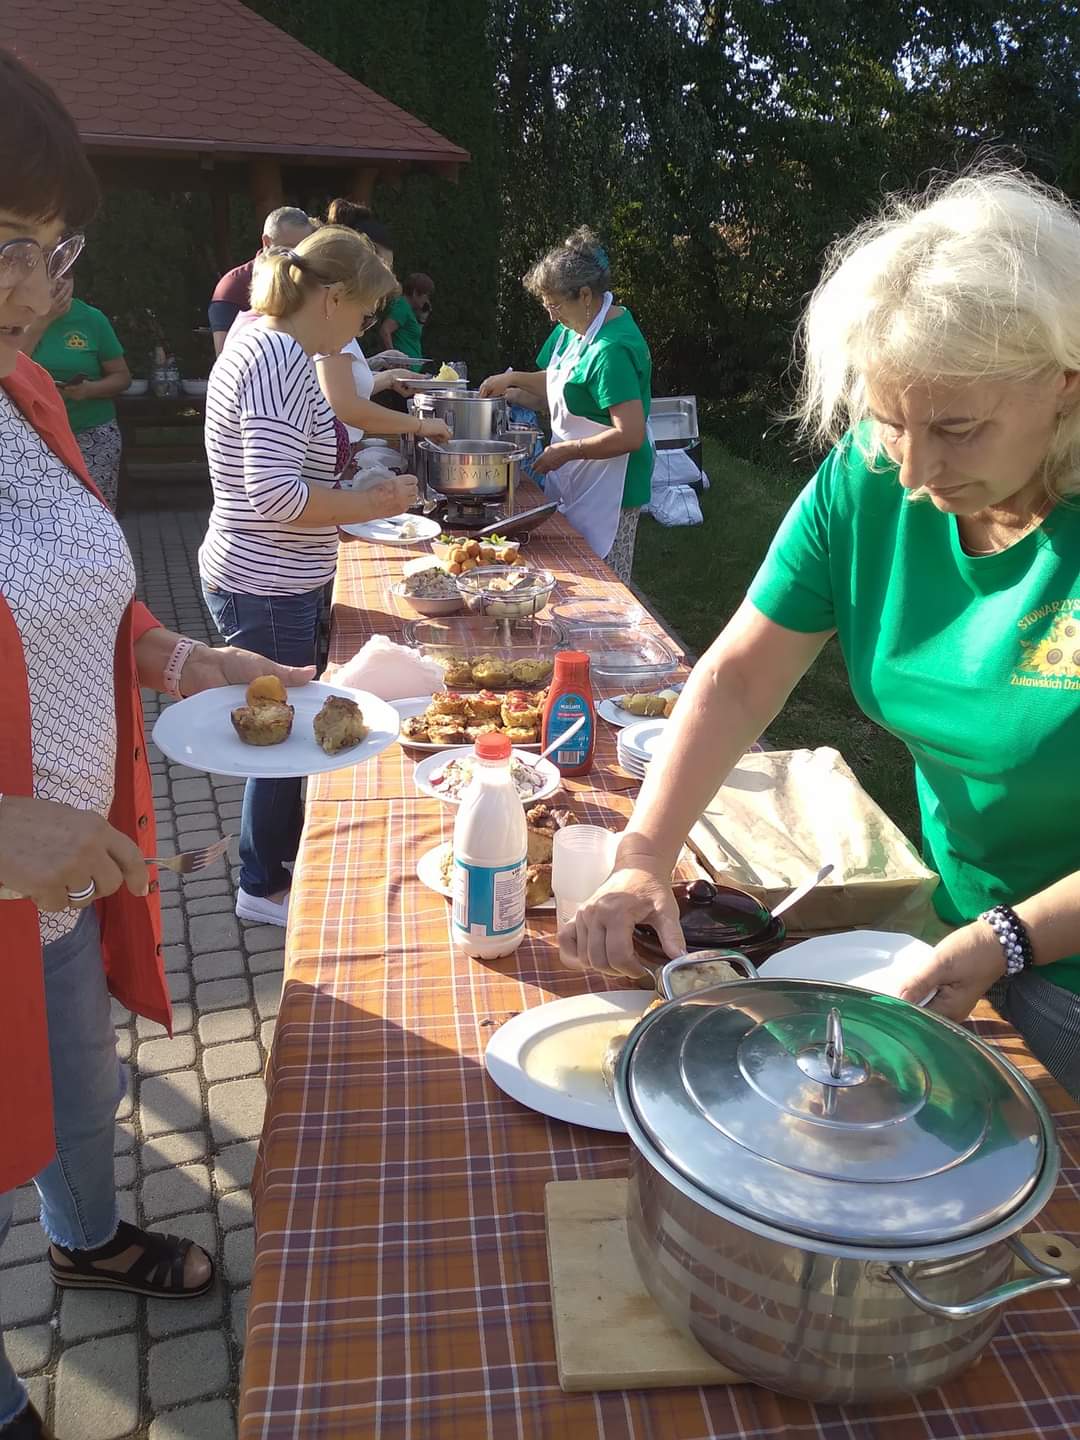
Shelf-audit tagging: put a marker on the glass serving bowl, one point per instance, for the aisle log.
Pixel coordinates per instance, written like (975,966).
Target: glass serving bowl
(594,614)
(506,592)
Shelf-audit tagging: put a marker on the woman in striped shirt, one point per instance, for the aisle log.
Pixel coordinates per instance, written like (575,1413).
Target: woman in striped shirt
(271,546)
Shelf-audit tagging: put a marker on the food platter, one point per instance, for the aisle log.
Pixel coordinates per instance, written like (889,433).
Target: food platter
(199,732)
(611,711)
(409,709)
(427,773)
(429,871)
(548,1057)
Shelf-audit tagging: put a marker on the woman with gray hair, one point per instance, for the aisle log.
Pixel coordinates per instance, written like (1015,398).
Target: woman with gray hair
(595,378)
(940,542)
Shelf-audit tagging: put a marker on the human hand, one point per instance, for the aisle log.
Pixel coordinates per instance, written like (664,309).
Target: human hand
(47,850)
(495,385)
(207,669)
(434,429)
(554,456)
(515,395)
(392,496)
(961,968)
(79,391)
(601,936)
(62,291)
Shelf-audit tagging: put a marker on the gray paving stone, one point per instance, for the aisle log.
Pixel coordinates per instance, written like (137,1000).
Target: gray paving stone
(176,1190)
(177,957)
(85,1314)
(179,983)
(263,937)
(24,1242)
(267,993)
(28,1347)
(97,1389)
(222,994)
(197,835)
(231,809)
(229,1062)
(266,1032)
(187,1368)
(172,928)
(183,772)
(124,1170)
(213,932)
(125,1206)
(27,1205)
(123,1139)
(234,1210)
(239,1313)
(221,965)
(239,1255)
(118,1014)
(226,788)
(210,905)
(236,1110)
(160,785)
(170,1102)
(168,881)
(38,1387)
(173,1149)
(123,1044)
(192,789)
(151,1030)
(157,1056)
(209,1420)
(170,901)
(198,889)
(126,1106)
(264,960)
(166,832)
(234,1165)
(224,1025)
(27,1293)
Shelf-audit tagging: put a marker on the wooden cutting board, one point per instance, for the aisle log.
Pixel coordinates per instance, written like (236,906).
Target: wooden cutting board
(610,1334)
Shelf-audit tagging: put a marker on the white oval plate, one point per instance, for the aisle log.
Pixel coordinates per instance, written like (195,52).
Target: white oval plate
(425,769)
(199,732)
(386,532)
(872,959)
(408,708)
(429,873)
(532,1057)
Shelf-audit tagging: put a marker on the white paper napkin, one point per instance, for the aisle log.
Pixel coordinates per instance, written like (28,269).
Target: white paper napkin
(388,670)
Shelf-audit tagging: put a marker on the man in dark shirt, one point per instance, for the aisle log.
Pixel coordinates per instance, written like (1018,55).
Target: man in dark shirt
(285,226)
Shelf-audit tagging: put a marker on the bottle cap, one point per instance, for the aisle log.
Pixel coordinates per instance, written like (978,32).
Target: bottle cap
(493,746)
(571,667)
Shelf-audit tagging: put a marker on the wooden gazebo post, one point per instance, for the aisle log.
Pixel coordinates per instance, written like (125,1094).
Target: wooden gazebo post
(264,176)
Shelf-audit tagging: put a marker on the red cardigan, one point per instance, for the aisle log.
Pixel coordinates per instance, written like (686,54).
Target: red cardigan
(130,927)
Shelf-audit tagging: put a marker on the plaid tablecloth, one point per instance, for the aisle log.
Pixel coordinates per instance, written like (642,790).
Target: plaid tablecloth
(400,1288)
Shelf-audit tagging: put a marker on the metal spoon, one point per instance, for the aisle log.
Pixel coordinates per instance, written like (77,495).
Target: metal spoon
(801,890)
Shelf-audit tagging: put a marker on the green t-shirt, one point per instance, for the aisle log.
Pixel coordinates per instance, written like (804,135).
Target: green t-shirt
(972,661)
(408,337)
(76,344)
(615,368)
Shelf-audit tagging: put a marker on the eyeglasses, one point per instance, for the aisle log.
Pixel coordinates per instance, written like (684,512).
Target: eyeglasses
(20,258)
(553,310)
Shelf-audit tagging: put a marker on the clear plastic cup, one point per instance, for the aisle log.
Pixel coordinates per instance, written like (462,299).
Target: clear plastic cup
(583,857)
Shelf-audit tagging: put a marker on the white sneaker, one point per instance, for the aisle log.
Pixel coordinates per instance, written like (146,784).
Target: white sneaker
(261,910)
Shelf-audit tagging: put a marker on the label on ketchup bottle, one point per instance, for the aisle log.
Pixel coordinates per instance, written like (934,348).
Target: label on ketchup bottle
(569,698)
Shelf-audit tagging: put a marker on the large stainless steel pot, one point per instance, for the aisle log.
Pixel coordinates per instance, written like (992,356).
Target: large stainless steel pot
(827,1186)
(472,469)
(468,415)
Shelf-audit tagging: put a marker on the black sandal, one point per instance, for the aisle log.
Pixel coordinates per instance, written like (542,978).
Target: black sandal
(157,1272)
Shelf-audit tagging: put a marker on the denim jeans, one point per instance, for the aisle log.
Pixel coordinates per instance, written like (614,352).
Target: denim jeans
(77,1190)
(284,628)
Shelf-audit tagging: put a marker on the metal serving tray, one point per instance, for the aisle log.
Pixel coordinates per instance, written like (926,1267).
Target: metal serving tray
(674,421)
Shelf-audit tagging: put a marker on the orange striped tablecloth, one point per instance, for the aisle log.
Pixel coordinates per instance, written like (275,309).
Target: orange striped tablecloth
(400,1285)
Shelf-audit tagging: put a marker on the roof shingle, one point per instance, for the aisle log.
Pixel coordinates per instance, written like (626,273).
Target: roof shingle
(210,75)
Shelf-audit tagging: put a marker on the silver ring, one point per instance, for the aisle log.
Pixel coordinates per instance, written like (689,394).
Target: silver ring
(80,897)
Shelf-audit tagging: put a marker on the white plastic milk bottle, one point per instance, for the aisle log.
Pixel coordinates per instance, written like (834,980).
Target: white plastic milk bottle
(491,844)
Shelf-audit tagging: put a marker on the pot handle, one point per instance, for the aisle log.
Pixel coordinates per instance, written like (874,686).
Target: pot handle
(686,962)
(1047,1277)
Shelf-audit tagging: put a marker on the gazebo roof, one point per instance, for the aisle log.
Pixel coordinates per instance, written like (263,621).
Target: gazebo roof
(208,77)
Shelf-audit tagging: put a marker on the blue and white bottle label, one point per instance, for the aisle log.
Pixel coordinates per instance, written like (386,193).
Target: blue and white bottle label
(566,710)
(489,901)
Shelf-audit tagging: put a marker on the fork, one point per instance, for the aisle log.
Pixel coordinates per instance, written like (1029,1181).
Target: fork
(189,861)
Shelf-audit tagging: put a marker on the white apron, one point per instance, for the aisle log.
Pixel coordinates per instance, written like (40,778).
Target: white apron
(589,492)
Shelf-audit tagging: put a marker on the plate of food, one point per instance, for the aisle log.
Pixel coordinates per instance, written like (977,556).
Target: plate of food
(265,732)
(871,959)
(429,591)
(446,776)
(436,866)
(466,554)
(623,710)
(448,719)
(395,530)
(551,1057)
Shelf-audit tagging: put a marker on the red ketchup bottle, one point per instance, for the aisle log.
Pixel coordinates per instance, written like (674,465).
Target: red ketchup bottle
(570,697)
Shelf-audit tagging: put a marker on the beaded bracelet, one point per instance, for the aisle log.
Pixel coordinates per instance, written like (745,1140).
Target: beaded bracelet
(1012,936)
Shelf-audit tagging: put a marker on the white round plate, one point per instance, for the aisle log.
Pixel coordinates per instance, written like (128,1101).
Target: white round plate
(429,873)
(199,732)
(872,959)
(644,740)
(408,708)
(548,1057)
(386,532)
(426,769)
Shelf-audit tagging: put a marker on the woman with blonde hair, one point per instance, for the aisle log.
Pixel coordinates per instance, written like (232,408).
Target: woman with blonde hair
(939,543)
(595,379)
(271,546)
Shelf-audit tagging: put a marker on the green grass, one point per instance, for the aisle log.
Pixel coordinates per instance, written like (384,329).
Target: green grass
(696,579)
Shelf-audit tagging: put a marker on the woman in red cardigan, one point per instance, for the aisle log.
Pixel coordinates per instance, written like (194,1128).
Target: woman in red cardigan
(76,809)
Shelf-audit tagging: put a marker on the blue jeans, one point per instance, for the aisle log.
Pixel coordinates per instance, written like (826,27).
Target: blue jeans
(77,1190)
(284,628)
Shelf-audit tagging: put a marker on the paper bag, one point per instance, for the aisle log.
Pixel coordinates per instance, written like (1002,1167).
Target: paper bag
(782,814)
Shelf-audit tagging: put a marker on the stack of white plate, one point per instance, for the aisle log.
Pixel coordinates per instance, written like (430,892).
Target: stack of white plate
(640,744)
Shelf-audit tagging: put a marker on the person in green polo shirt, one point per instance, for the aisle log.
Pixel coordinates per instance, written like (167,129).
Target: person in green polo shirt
(403,327)
(80,351)
(595,378)
(940,543)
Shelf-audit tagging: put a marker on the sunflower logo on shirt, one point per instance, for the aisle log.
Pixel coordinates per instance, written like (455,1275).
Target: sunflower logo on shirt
(76,340)
(1051,660)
